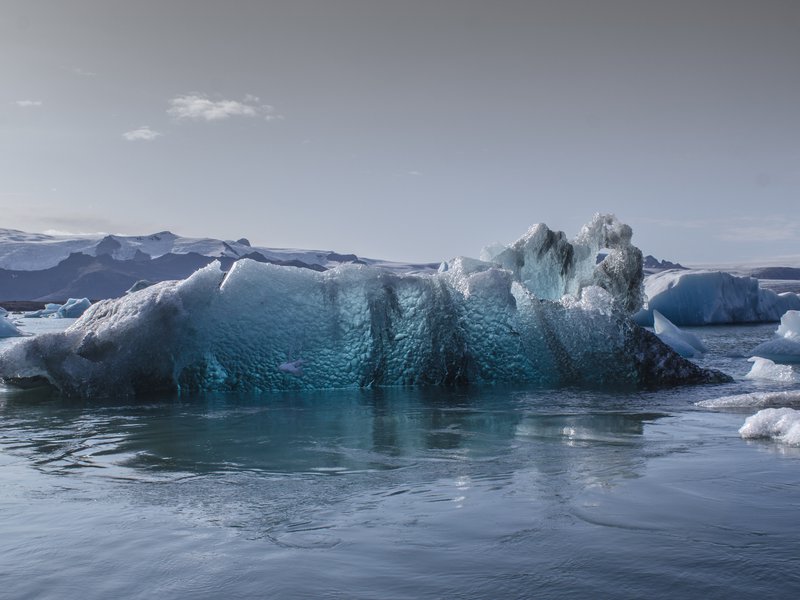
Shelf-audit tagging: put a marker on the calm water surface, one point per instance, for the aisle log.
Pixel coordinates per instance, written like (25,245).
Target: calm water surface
(478,493)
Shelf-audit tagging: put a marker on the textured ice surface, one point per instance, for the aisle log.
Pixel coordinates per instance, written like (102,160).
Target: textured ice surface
(708,297)
(684,343)
(7,328)
(549,265)
(785,346)
(267,327)
(763,368)
(779,424)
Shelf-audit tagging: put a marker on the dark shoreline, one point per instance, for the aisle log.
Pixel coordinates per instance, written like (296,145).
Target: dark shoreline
(22,305)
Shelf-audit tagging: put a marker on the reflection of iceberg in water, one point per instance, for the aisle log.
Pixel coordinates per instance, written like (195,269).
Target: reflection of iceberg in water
(472,322)
(331,432)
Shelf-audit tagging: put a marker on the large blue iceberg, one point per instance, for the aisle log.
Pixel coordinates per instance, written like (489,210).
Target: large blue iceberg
(688,297)
(541,311)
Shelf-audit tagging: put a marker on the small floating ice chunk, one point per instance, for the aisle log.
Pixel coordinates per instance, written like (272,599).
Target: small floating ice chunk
(8,329)
(779,424)
(684,343)
(764,368)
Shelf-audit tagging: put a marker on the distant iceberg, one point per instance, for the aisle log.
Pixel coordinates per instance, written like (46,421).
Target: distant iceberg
(71,309)
(711,297)
(542,312)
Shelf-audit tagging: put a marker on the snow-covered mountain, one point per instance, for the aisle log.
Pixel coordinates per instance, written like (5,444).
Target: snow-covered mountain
(23,251)
(35,266)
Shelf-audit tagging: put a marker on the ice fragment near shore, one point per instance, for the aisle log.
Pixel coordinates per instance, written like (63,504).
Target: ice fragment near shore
(473,322)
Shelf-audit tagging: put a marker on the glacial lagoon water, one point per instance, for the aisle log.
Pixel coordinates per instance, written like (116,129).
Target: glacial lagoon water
(485,492)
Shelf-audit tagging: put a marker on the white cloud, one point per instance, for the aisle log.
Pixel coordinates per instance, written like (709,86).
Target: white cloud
(28,103)
(83,72)
(142,134)
(199,107)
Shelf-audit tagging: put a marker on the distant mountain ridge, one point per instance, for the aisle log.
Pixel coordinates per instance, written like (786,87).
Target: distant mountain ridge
(45,267)
(23,251)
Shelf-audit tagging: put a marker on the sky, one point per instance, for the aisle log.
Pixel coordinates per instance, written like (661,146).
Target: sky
(405,129)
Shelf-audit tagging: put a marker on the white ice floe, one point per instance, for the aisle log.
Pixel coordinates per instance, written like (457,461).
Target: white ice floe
(754,400)
(779,424)
(764,368)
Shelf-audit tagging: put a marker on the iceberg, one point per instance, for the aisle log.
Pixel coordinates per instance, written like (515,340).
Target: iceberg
(779,424)
(785,347)
(696,297)
(684,343)
(268,327)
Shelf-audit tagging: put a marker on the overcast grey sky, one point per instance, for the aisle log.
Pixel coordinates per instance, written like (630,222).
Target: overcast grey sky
(405,129)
